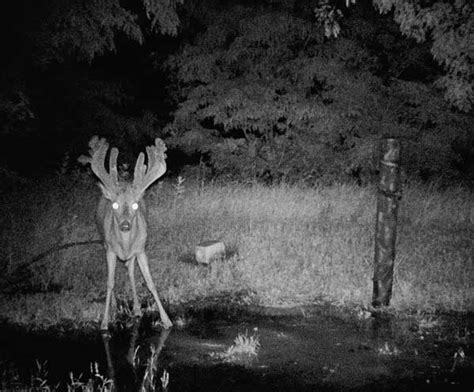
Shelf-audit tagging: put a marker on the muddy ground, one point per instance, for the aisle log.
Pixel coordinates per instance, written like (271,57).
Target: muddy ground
(310,349)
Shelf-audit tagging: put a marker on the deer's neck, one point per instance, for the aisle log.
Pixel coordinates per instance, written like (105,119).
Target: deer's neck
(129,243)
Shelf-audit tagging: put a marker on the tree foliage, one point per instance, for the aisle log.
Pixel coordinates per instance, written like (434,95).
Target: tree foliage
(260,89)
(163,15)
(264,94)
(75,29)
(449,25)
(78,29)
(51,87)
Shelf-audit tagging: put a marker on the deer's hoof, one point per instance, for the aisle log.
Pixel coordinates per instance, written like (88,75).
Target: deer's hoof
(166,323)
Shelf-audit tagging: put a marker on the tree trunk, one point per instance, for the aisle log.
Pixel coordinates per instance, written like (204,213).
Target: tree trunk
(389,194)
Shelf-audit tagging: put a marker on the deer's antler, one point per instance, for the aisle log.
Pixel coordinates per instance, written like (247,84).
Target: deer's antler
(98,151)
(145,175)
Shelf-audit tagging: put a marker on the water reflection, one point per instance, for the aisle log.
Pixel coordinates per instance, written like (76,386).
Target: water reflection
(134,370)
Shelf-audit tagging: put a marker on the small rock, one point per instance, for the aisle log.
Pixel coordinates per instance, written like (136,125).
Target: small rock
(209,250)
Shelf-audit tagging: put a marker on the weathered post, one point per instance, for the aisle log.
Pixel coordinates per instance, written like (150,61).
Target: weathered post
(389,194)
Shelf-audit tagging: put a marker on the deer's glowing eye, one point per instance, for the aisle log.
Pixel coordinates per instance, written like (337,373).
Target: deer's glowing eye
(115,206)
(135,206)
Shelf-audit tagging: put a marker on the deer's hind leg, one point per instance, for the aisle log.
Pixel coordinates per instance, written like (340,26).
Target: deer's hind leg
(131,274)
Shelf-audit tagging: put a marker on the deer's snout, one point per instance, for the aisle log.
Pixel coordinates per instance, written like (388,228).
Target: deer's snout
(125,226)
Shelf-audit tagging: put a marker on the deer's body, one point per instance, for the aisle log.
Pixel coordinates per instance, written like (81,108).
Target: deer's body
(121,217)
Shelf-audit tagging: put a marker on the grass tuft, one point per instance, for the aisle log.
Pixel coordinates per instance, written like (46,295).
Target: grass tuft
(244,347)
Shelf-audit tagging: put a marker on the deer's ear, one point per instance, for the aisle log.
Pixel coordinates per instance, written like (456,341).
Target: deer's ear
(106,192)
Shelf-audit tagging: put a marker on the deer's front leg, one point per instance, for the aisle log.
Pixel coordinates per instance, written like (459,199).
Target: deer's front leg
(143,264)
(131,275)
(111,263)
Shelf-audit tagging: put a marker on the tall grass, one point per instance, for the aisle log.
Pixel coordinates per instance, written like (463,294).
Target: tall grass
(289,245)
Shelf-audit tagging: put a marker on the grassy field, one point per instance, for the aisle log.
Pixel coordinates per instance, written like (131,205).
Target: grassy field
(287,245)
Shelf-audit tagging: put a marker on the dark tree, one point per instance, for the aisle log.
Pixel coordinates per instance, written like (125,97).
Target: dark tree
(263,93)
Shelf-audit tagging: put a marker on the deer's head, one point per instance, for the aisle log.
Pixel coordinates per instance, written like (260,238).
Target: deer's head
(125,198)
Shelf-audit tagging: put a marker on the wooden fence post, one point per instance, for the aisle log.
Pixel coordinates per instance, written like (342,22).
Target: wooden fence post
(389,194)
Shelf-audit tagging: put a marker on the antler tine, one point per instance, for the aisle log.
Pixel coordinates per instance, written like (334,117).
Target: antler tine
(113,165)
(97,152)
(140,169)
(145,175)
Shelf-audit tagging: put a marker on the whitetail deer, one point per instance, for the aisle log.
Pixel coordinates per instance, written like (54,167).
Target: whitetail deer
(121,216)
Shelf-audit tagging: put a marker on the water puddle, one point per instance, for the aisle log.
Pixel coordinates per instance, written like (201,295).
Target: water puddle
(201,353)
